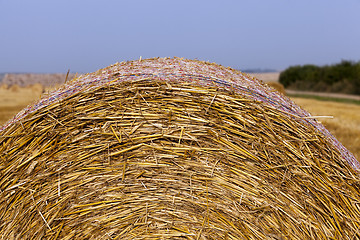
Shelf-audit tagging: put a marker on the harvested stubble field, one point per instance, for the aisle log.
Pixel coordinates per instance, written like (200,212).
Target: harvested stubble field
(173,149)
(345,124)
(12,100)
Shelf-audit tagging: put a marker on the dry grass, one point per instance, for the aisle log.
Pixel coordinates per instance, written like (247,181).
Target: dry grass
(345,125)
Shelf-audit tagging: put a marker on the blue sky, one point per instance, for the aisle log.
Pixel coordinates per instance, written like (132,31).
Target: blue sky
(83,36)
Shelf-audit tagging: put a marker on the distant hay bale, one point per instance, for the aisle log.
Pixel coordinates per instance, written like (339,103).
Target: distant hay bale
(37,88)
(4,86)
(14,88)
(173,149)
(277,86)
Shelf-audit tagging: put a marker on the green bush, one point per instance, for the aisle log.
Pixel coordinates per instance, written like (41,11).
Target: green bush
(343,77)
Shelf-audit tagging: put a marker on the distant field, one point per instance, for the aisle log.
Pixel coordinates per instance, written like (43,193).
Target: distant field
(345,125)
(267,77)
(14,99)
(25,79)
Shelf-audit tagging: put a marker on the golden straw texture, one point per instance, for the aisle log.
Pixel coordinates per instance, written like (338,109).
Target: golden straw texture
(155,159)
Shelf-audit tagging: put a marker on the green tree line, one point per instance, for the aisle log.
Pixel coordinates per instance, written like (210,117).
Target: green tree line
(343,77)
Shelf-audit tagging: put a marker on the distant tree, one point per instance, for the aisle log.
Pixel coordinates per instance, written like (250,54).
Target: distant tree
(290,76)
(342,77)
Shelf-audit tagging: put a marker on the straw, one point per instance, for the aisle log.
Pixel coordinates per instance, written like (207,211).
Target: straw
(113,156)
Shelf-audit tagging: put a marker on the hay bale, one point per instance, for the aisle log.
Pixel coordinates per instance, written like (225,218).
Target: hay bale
(4,86)
(277,86)
(173,149)
(37,88)
(14,88)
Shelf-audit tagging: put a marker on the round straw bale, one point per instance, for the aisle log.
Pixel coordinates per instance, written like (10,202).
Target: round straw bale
(37,88)
(14,88)
(168,148)
(277,86)
(4,86)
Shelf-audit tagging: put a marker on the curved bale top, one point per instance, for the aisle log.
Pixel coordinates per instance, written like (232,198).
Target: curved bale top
(173,149)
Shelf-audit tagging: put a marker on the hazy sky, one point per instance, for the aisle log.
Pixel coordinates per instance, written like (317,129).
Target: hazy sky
(85,35)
